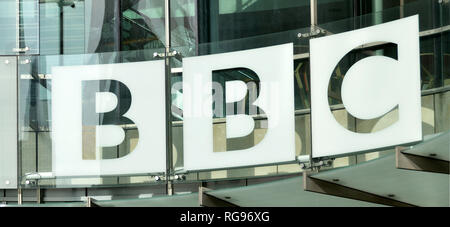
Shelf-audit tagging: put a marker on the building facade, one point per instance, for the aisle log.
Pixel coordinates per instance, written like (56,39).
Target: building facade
(41,35)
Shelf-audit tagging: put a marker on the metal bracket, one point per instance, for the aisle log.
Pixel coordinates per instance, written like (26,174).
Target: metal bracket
(158,178)
(25,62)
(19,196)
(314,32)
(91,202)
(163,55)
(21,50)
(419,163)
(315,165)
(324,187)
(39,175)
(206,200)
(39,195)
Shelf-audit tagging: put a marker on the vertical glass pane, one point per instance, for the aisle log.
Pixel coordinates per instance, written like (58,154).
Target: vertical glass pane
(328,11)
(429,13)
(445,12)
(142,24)
(101,26)
(36,122)
(29,26)
(432,60)
(302,80)
(227,25)
(8,25)
(62,29)
(19,24)
(8,122)
(446,58)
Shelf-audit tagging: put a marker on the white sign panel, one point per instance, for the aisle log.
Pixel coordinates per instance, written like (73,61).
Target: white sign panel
(89,106)
(371,88)
(274,67)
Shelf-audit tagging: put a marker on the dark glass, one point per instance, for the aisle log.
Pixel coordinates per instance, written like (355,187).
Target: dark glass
(101,26)
(430,60)
(232,19)
(328,11)
(302,89)
(446,58)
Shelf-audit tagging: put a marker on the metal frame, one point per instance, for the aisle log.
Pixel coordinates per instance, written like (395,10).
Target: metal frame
(313,5)
(324,187)
(207,200)
(419,163)
(167,59)
(91,202)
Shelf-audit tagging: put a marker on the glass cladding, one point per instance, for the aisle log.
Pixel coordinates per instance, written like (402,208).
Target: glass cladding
(20,27)
(36,121)
(77,27)
(225,19)
(44,34)
(8,25)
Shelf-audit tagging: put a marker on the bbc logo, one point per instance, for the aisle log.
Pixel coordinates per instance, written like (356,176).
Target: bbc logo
(86,115)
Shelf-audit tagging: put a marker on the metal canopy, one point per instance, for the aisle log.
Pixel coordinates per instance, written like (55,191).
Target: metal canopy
(283,193)
(436,146)
(184,200)
(381,177)
(56,204)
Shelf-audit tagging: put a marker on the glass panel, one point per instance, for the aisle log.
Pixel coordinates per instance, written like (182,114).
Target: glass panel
(429,13)
(101,26)
(36,123)
(8,25)
(220,78)
(14,25)
(442,111)
(268,22)
(29,26)
(388,11)
(8,122)
(142,24)
(445,13)
(235,19)
(434,69)
(329,10)
(446,58)
(338,18)
(132,30)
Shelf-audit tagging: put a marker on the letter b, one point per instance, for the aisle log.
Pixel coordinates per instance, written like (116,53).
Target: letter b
(92,104)
(104,102)
(274,67)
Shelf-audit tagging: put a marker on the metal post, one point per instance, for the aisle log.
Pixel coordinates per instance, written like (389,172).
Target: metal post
(402,11)
(61,28)
(377,7)
(313,7)
(19,196)
(38,194)
(168,97)
(313,13)
(91,202)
